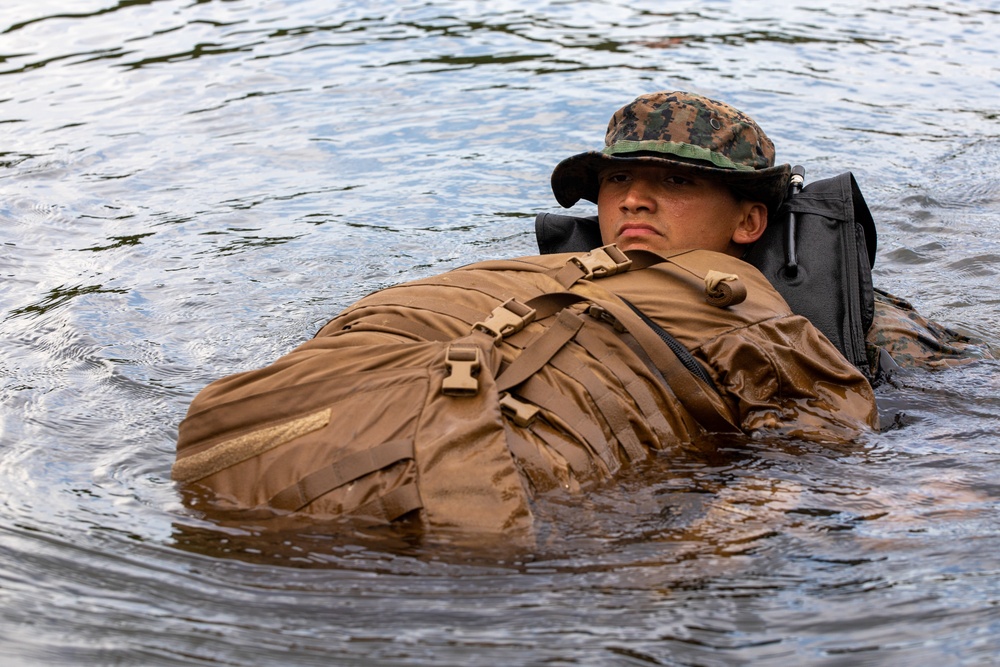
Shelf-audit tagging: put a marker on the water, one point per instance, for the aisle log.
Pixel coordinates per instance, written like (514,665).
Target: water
(191,188)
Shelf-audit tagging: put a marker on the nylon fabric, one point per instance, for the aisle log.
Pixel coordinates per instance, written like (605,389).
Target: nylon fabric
(542,351)
(591,389)
(341,471)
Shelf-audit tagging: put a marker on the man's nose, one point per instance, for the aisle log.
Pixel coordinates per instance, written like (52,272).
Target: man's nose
(638,197)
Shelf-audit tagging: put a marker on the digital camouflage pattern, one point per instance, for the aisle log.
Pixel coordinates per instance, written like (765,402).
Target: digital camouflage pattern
(689,126)
(683,129)
(914,341)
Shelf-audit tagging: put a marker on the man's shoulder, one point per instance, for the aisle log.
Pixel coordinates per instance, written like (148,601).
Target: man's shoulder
(702,265)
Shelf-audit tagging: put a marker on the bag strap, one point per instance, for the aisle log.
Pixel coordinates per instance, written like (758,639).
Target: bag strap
(541,351)
(341,471)
(609,405)
(689,386)
(699,398)
(572,419)
(635,386)
(394,504)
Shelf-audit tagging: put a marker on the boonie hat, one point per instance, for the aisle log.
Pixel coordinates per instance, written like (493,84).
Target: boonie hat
(682,130)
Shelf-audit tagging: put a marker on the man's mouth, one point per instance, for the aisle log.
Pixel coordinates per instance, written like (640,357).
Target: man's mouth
(636,229)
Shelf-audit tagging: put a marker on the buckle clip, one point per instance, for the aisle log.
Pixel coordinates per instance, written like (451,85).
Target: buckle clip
(602,262)
(508,318)
(604,315)
(463,370)
(520,412)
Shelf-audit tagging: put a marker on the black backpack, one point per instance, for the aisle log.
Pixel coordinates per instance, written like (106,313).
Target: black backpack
(818,254)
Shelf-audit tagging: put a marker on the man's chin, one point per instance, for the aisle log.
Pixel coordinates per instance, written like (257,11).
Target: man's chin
(636,243)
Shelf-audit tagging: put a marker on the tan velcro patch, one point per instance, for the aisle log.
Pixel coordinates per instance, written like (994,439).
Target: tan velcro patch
(236,450)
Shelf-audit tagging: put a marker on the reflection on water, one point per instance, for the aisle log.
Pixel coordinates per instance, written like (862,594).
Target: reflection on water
(190,189)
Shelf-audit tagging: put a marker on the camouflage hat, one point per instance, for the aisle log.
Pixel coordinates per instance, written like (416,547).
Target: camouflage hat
(680,129)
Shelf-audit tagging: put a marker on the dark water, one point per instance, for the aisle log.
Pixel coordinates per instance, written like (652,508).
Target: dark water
(191,188)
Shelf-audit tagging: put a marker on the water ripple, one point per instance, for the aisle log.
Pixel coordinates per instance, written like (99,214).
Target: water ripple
(190,189)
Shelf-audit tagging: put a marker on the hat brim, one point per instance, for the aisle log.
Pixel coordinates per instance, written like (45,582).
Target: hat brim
(576,177)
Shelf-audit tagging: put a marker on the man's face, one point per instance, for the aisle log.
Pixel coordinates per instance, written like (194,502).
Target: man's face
(661,208)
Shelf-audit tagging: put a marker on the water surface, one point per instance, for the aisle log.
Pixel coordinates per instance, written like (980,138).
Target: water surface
(191,188)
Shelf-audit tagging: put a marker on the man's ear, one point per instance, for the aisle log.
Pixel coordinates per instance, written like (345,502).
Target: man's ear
(753,224)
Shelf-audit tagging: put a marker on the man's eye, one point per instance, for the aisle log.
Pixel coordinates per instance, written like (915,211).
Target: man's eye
(676,180)
(617,177)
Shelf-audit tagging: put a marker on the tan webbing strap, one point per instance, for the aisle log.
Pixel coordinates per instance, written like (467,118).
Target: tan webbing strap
(552,302)
(401,500)
(702,401)
(631,382)
(536,355)
(545,305)
(690,423)
(574,419)
(527,455)
(606,401)
(246,446)
(643,259)
(574,454)
(340,472)
(391,506)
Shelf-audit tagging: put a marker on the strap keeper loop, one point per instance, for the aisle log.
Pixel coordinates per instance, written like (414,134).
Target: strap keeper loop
(506,319)
(724,289)
(463,371)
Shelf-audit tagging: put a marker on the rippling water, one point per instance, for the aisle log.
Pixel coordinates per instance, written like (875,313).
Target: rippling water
(191,188)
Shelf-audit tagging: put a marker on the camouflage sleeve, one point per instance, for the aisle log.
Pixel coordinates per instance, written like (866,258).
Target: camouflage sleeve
(914,341)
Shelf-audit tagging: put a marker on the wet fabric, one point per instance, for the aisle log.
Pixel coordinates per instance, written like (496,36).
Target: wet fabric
(914,341)
(414,402)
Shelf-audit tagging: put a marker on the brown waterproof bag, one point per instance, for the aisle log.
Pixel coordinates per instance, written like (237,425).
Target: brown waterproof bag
(452,399)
